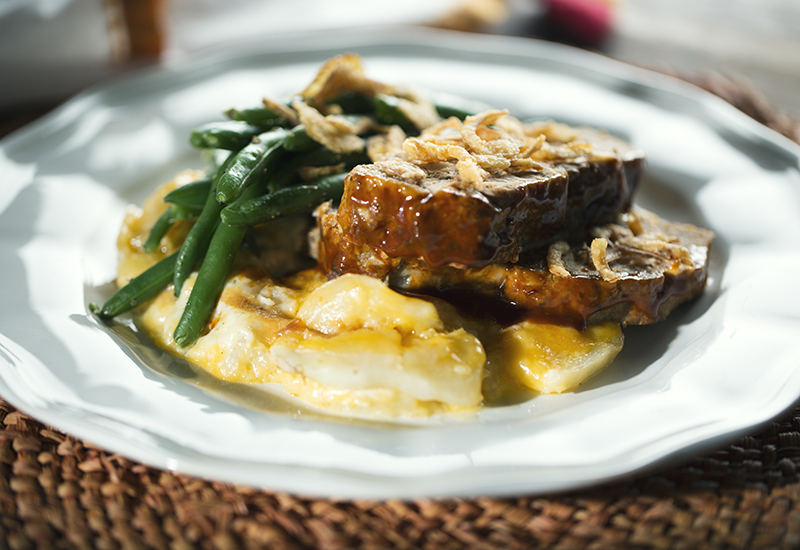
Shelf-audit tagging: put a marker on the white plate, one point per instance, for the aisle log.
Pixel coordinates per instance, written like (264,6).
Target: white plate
(715,368)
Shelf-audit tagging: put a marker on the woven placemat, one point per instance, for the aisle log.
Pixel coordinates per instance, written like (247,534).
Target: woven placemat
(60,492)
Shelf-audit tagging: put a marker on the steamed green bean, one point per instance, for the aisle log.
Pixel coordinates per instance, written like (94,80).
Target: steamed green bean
(249,164)
(296,199)
(140,289)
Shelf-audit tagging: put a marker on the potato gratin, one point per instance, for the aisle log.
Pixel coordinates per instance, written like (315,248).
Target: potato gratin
(459,258)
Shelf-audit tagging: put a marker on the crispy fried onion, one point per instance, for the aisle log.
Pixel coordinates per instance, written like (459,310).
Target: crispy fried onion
(444,131)
(599,248)
(333,131)
(387,145)
(311,173)
(481,138)
(281,109)
(416,107)
(658,245)
(561,143)
(635,235)
(555,259)
(554,132)
(426,151)
(343,73)
(401,169)
(487,142)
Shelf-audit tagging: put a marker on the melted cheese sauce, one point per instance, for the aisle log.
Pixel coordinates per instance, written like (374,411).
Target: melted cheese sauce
(352,346)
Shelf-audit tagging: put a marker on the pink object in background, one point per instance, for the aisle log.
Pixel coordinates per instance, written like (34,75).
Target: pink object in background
(585,21)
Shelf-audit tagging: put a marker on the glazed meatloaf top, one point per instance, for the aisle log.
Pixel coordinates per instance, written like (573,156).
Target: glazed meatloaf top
(407,207)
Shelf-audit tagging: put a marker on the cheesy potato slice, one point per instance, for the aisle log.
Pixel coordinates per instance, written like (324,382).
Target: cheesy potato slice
(361,334)
(554,358)
(320,341)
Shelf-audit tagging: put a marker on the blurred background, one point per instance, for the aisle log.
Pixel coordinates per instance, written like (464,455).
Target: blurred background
(52,49)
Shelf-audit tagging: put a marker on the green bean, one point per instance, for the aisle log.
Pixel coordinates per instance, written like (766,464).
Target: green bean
(353,103)
(140,289)
(194,246)
(385,107)
(316,157)
(257,116)
(290,200)
(249,165)
(180,212)
(298,140)
(190,195)
(326,157)
(186,204)
(231,135)
(211,278)
(388,112)
(160,228)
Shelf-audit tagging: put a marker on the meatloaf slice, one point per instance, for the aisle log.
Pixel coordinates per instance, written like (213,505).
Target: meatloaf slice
(441,221)
(427,211)
(602,183)
(633,271)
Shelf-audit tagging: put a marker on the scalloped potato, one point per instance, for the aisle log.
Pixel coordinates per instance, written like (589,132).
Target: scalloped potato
(352,346)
